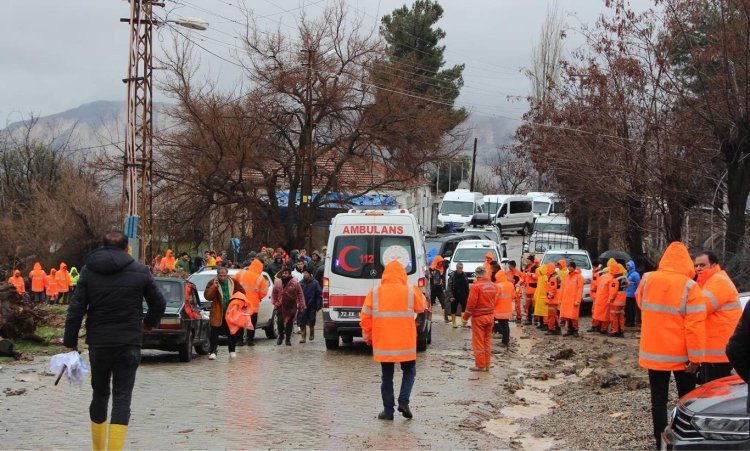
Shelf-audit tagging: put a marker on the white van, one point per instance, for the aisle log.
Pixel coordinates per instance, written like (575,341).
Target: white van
(360,245)
(457,208)
(511,212)
(552,224)
(547,204)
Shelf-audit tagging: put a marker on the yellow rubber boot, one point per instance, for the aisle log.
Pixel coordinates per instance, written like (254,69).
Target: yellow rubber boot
(98,436)
(117,433)
(453,321)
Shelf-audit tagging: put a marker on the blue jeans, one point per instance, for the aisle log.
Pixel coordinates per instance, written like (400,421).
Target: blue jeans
(407,382)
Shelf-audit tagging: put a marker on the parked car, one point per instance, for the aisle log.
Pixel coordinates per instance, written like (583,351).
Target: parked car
(184,326)
(445,244)
(266,312)
(583,261)
(713,416)
(491,233)
(471,253)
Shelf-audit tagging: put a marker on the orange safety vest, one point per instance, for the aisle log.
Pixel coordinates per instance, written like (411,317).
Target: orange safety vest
(531,278)
(723,312)
(38,279)
(673,314)
(504,298)
(52,286)
(617,293)
(17,281)
(553,292)
(254,284)
(63,281)
(387,316)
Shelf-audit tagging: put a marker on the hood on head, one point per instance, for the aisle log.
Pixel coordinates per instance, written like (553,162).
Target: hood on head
(489,255)
(614,267)
(239,295)
(394,273)
(630,265)
(438,259)
(542,270)
(108,260)
(74,271)
(168,254)
(37,266)
(550,268)
(677,259)
(256,266)
(562,264)
(63,266)
(16,273)
(52,272)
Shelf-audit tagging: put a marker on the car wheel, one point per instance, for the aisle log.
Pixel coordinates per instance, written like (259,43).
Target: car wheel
(202,349)
(429,336)
(422,342)
(347,338)
(186,349)
(332,343)
(272,331)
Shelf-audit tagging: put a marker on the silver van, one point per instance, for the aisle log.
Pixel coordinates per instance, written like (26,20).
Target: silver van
(512,213)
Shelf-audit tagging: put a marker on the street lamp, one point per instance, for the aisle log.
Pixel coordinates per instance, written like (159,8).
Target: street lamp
(194,23)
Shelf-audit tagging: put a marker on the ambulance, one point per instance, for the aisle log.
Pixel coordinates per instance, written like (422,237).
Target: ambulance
(360,245)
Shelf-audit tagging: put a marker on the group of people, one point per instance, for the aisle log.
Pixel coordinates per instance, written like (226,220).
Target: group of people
(54,288)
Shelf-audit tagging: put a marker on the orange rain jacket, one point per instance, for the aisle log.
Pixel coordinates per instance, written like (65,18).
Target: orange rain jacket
(63,278)
(239,313)
(553,287)
(530,278)
(51,283)
(488,258)
(167,263)
(504,299)
(673,312)
(436,261)
(482,295)
(387,316)
(600,310)
(17,281)
(255,285)
(38,278)
(723,312)
(617,287)
(571,294)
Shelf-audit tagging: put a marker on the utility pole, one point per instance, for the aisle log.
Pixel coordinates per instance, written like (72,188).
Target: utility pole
(139,132)
(306,213)
(473,165)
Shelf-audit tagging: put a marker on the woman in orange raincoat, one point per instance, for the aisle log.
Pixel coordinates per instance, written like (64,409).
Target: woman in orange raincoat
(52,287)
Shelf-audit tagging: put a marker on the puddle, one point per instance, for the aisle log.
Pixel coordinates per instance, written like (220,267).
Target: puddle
(502,428)
(536,443)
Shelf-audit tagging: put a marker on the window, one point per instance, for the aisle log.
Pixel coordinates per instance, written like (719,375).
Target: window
(541,208)
(503,211)
(473,254)
(172,291)
(491,207)
(478,209)
(520,206)
(454,207)
(558,207)
(201,280)
(366,256)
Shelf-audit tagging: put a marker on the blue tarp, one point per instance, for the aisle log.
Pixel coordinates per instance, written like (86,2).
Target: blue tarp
(339,200)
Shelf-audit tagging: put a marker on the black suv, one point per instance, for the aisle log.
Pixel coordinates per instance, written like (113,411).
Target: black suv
(445,244)
(713,416)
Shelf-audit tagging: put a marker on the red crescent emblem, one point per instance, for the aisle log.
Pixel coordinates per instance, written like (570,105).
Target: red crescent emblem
(342,258)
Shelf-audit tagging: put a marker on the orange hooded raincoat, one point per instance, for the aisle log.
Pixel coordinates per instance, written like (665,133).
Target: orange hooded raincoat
(17,281)
(63,278)
(600,310)
(255,285)
(723,312)
(571,295)
(167,263)
(38,278)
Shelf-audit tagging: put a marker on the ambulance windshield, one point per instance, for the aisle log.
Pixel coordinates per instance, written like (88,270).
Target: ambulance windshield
(365,256)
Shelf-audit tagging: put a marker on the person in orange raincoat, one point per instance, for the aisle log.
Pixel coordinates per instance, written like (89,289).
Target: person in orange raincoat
(17,281)
(239,313)
(167,262)
(553,300)
(530,284)
(480,307)
(52,287)
(617,297)
(600,309)
(489,257)
(503,305)
(437,285)
(38,280)
(63,283)
(256,288)
(673,329)
(571,297)
(387,321)
(514,276)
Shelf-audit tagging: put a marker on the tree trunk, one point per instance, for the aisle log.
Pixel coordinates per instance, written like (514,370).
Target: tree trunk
(604,235)
(673,222)
(738,189)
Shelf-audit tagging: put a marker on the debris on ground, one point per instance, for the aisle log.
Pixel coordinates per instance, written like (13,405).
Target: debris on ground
(564,354)
(11,392)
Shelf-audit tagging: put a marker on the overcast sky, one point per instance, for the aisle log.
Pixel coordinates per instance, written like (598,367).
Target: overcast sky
(58,54)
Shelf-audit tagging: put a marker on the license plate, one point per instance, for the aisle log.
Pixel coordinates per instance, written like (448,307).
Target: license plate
(349,314)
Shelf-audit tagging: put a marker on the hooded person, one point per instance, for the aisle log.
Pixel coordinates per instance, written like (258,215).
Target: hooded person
(387,321)
(38,279)
(17,281)
(540,296)
(288,299)
(630,308)
(673,329)
(617,287)
(73,279)
(571,297)
(314,302)
(63,283)
(256,288)
(489,257)
(437,285)
(600,309)
(167,262)
(503,306)
(52,287)
(480,307)
(275,268)
(553,300)
(530,285)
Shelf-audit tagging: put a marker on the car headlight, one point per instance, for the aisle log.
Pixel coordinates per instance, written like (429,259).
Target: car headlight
(722,428)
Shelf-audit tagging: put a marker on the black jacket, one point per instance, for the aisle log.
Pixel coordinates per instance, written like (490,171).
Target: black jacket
(110,292)
(458,286)
(738,348)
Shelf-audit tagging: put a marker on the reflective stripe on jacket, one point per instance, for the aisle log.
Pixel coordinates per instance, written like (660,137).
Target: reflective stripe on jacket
(723,312)
(481,298)
(504,297)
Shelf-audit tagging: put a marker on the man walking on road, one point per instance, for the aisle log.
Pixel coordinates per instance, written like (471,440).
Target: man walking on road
(481,309)
(110,292)
(458,292)
(387,322)
(673,331)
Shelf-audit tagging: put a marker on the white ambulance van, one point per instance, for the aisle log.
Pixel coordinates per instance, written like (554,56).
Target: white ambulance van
(360,245)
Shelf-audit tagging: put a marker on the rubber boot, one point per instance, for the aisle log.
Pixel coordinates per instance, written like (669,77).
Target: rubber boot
(312,333)
(453,321)
(98,436)
(117,433)
(303,334)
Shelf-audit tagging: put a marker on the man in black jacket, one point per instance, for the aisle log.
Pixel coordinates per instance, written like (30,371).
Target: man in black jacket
(110,292)
(458,292)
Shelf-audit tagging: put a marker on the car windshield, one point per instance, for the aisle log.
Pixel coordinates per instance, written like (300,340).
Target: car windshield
(492,207)
(487,235)
(201,280)
(541,207)
(432,245)
(366,256)
(558,207)
(173,292)
(549,227)
(454,207)
(473,254)
(582,260)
